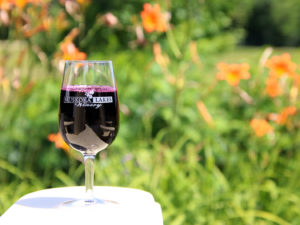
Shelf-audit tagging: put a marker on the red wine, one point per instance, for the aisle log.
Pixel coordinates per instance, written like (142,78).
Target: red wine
(89,117)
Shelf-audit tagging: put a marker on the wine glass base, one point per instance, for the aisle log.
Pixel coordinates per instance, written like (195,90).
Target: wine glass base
(87,203)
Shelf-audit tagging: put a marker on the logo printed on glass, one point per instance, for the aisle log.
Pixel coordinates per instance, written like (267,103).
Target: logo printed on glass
(88,100)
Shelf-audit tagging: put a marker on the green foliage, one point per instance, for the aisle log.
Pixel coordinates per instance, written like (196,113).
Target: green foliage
(198,173)
(202,168)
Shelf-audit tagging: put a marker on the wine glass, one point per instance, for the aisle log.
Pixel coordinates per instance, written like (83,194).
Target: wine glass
(88,114)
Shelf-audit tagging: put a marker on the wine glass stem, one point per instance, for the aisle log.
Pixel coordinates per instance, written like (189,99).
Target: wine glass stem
(89,178)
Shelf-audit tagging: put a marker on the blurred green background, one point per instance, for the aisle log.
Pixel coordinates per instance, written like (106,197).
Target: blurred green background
(185,136)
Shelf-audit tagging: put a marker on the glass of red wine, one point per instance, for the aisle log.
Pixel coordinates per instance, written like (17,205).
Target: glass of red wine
(88,114)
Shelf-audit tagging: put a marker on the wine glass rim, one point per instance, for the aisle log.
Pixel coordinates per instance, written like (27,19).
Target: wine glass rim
(88,61)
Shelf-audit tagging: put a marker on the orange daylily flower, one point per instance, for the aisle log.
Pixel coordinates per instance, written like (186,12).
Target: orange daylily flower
(84,2)
(273,87)
(153,19)
(70,52)
(59,141)
(8,4)
(281,65)
(233,73)
(20,3)
(285,113)
(261,127)
(5,4)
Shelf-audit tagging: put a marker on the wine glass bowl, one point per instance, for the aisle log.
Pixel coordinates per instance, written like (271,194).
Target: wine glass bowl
(88,111)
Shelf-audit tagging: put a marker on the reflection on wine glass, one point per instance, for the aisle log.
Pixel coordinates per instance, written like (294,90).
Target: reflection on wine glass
(88,114)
